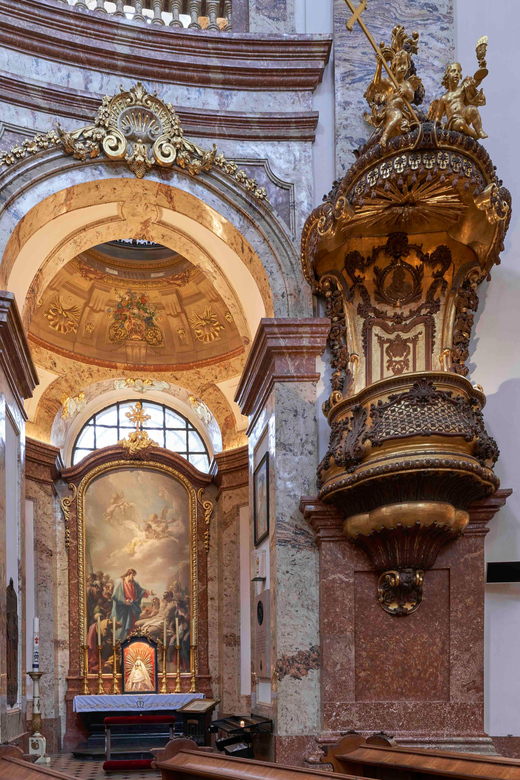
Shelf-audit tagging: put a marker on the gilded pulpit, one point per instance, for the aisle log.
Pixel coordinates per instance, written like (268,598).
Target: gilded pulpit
(397,251)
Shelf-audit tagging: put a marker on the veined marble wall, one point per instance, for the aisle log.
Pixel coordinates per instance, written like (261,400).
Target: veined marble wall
(354,60)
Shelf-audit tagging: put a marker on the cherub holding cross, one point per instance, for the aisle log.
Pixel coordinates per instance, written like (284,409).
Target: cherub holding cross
(391,98)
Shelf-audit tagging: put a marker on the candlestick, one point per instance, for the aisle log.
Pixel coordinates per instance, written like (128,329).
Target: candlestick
(100,690)
(115,685)
(178,677)
(37,743)
(164,685)
(36,644)
(193,687)
(84,688)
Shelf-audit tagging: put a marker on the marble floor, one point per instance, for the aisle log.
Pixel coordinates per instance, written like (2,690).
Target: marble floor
(93,770)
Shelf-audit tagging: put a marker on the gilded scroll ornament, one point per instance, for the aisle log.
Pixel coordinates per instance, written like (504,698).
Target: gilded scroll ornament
(145,132)
(208,511)
(65,504)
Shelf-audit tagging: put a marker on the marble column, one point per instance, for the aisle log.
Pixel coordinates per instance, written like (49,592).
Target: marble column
(40,475)
(420,677)
(18,379)
(278,393)
(232,480)
(354,60)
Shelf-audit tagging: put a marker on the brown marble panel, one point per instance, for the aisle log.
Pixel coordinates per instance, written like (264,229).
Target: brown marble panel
(402,659)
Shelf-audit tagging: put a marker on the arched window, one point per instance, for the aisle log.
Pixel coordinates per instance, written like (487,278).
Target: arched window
(166,427)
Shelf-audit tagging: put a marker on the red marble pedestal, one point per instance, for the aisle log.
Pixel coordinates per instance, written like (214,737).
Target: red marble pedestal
(418,677)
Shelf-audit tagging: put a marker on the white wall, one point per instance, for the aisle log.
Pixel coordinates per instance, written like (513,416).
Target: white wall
(313,17)
(495,348)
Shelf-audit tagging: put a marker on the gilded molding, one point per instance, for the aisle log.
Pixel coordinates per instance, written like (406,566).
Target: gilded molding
(208,511)
(65,504)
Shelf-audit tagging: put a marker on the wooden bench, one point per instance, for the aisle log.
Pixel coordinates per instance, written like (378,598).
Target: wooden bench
(356,755)
(187,764)
(14,767)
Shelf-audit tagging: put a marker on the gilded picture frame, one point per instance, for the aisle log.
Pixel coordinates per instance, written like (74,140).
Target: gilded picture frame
(261,500)
(125,465)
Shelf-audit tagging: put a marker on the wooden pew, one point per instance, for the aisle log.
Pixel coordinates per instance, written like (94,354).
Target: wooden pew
(185,764)
(355,755)
(14,767)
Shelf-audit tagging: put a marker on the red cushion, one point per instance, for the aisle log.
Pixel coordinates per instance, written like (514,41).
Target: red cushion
(120,766)
(125,720)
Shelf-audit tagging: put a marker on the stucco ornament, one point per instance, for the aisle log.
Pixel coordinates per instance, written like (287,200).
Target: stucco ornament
(142,130)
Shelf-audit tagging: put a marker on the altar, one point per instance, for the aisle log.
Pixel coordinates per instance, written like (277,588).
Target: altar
(94,708)
(133,702)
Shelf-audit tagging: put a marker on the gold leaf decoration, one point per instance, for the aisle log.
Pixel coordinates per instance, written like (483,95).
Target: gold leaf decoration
(206,326)
(61,318)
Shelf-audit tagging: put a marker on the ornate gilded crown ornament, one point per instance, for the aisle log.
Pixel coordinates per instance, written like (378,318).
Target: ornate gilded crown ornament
(140,129)
(398,250)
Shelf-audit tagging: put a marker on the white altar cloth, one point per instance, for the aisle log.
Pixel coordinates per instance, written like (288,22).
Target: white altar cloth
(133,702)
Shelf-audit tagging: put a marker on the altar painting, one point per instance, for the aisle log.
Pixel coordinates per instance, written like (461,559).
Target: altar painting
(140,668)
(137,561)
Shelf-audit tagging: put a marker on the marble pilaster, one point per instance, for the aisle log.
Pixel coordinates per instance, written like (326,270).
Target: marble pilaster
(232,480)
(18,379)
(40,472)
(278,393)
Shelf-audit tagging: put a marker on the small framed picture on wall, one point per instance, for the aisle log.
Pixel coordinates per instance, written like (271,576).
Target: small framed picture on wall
(261,499)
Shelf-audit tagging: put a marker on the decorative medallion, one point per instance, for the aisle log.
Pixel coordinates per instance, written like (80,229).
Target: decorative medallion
(206,326)
(61,318)
(134,319)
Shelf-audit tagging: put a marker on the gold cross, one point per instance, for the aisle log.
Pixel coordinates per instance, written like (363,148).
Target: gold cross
(356,17)
(137,415)
(356,13)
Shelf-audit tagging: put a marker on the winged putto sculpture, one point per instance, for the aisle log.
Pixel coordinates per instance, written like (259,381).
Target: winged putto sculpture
(462,99)
(391,101)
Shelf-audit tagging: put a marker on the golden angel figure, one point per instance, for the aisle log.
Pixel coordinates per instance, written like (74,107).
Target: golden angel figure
(389,103)
(462,99)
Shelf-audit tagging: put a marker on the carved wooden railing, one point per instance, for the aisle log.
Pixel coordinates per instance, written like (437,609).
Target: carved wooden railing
(212,15)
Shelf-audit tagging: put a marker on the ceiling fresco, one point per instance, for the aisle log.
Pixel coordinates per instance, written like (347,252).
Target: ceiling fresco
(127,303)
